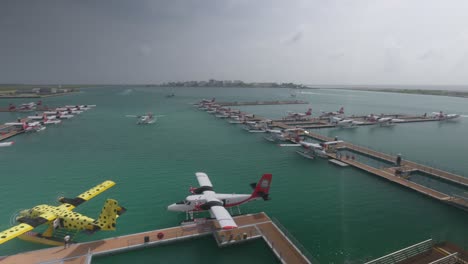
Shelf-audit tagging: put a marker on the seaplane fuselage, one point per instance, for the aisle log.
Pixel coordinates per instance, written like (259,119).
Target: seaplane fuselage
(198,202)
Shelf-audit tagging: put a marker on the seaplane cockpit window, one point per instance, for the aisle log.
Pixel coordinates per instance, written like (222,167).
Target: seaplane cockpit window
(181,202)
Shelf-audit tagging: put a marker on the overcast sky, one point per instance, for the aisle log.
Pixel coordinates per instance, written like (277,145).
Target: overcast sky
(310,42)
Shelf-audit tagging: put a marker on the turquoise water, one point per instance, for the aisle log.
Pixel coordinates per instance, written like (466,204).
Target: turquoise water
(339,215)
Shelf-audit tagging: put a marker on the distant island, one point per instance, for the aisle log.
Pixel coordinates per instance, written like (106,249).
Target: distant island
(35,91)
(416,91)
(229,83)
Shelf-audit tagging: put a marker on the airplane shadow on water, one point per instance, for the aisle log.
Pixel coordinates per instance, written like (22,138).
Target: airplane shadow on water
(447,123)
(375,128)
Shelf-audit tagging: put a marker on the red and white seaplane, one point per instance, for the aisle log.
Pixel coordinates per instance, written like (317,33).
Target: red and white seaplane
(344,123)
(59,114)
(205,199)
(205,104)
(327,114)
(45,119)
(27,107)
(442,116)
(28,127)
(384,121)
(300,116)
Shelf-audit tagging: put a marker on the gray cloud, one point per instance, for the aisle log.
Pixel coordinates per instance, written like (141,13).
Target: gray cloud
(326,42)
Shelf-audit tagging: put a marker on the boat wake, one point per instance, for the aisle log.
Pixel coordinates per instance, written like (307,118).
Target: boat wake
(126,92)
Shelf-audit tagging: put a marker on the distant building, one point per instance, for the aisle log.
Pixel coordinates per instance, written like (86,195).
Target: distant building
(48,90)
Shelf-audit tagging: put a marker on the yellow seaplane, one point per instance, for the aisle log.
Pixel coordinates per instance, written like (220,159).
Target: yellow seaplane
(62,217)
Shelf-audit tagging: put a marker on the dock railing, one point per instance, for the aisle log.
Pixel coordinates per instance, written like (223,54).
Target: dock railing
(405,253)
(294,241)
(88,256)
(450,259)
(446,173)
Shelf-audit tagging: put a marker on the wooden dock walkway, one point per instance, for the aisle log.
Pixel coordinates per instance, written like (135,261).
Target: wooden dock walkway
(10,134)
(389,158)
(251,226)
(426,252)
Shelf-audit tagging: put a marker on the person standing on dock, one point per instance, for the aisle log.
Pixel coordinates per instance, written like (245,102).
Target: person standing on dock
(66,239)
(398,160)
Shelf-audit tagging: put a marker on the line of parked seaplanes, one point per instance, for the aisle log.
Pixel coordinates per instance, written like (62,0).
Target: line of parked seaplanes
(383,121)
(45,119)
(59,114)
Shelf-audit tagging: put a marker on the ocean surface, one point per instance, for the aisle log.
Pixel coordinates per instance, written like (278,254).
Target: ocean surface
(340,215)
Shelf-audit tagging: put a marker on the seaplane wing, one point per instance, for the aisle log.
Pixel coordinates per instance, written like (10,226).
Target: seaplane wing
(71,203)
(14,124)
(203,179)
(224,218)
(27,224)
(14,232)
(308,144)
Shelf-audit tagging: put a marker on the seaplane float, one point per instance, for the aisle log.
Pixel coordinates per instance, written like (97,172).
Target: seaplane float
(6,144)
(61,217)
(312,150)
(204,198)
(28,126)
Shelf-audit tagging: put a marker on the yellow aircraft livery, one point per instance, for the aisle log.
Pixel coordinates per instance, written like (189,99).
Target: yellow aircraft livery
(62,216)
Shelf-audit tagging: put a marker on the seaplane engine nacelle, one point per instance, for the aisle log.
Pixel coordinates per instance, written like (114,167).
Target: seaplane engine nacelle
(200,190)
(208,205)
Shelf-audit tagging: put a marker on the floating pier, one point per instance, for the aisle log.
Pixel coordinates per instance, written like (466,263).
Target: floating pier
(426,252)
(8,131)
(400,174)
(391,173)
(251,226)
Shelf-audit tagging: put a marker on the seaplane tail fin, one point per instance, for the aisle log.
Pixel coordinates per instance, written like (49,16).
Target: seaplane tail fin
(262,188)
(110,211)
